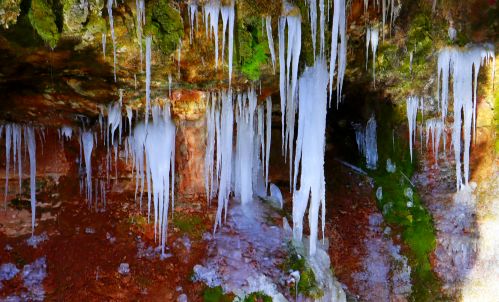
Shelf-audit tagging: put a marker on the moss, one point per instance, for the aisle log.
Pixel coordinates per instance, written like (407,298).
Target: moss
(257,297)
(307,285)
(191,225)
(137,221)
(252,47)
(215,294)
(413,223)
(43,20)
(164,24)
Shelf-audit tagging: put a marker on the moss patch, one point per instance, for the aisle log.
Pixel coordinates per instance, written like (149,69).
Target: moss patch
(216,294)
(257,297)
(251,46)
(307,285)
(164,24)
(413,222)
(43,20)
(189,224)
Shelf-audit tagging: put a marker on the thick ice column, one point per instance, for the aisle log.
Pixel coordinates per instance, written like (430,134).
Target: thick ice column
(225,137)
(210,149)
(160,149)
(310,146)
(412,113)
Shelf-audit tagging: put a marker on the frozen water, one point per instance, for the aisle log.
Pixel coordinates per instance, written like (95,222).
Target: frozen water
(310,146)
(276,194)
(268,25)
(371,144)
(412,113)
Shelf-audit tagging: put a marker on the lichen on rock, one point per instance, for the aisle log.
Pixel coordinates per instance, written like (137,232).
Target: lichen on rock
(164,23)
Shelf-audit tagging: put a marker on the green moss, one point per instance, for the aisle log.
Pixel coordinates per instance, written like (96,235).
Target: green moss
(43,20)
(257,297)
(307,285)
(252,47)
(215,294)
(164,24)
(137,221)
(190,224)
(413,223)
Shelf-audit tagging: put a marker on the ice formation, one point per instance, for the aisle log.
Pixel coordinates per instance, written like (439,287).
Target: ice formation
(435,129)
(338,52)
(148,76)
(111,25)
(371,144)
(412,104)
(268,138)
(104,45)
(464,66)
(31,141)
(66,132)
(114,121)
(193,14)
(288,86)
(141,21)
(373,40)
(155,145)
(312,11)
(268,22)
(87,141)
(310,146)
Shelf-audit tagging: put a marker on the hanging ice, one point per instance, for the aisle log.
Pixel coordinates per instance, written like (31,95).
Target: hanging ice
(104,45)
(312,11)
(141,15)
(211,13)
(192,11)
(8,137)
(268,22)
(31,140)
(412,104)
(464,65)
(288,87)
(338,51)
(66,132)
(435,129)
(87,141)
(159,148)
(310,146)
(268,140)
(114,120)
(374,47)
(111,25)
(148,76)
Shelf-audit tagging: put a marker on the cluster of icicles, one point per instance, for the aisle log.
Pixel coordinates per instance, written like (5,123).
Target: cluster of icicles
(462,66)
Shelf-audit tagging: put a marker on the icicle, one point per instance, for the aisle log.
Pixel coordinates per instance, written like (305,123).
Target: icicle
(148,76)
(282,74)
(192,11)
(30,134)
(159,145)
(411,57)
(111,25)
(244,146)
(104,45)
(368,41)
(129,115)
(212,11)
(87,140)
(8,138)
(113,119)
(225,17)
(270,39)
(435,128)
(140,5)
(268,140)
(310,146)
(225,137)
(371,144)
(169,85)
(374,47)
(210,149)
(312,7)
(231,38)
(338,27)
(412,113)
(322,28)
(465,66)
(452,32)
